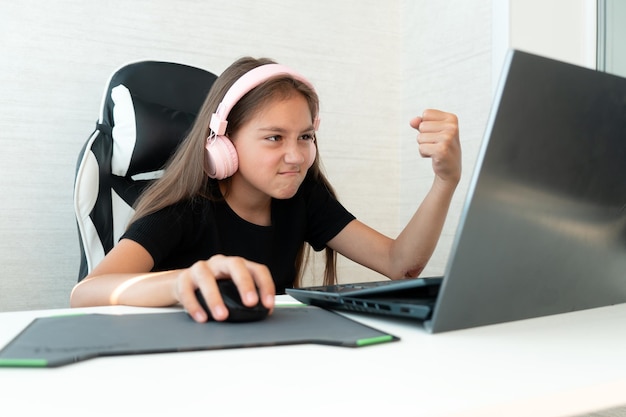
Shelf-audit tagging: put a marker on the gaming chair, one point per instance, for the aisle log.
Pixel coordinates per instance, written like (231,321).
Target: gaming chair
(147,109)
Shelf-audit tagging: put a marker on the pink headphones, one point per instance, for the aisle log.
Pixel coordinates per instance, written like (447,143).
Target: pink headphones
(221,158)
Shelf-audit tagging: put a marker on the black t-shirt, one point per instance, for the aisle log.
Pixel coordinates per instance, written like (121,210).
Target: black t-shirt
(192,230)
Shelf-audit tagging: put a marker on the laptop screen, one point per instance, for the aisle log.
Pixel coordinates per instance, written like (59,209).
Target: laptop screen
(543,230)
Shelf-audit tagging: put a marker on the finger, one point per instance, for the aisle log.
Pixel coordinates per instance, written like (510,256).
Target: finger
(428,149)
(433,120)
(426,138)
(204,279)
(186,297)
(415,122)
(438,143)
(265,284)
(445,159)
(434,114)
(434,132)
(235,268)
(247,276)
(254,280)
(447,127)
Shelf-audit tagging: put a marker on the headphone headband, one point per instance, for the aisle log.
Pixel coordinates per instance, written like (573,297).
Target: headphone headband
(245,84)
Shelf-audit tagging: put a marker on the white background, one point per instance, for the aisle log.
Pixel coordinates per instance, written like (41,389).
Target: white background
(375,65)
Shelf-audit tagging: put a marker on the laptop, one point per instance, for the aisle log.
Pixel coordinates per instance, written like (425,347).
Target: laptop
(543,227)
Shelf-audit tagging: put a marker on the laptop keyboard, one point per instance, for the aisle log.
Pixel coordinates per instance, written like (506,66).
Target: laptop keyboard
(349,287)
(355,286)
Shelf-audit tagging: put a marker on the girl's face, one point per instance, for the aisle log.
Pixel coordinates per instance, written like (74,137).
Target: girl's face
(274,148)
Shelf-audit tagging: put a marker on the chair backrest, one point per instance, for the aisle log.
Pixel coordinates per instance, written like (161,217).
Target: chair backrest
(147,109)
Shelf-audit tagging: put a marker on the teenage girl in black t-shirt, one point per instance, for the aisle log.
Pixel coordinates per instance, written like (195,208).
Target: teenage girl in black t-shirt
(244,195)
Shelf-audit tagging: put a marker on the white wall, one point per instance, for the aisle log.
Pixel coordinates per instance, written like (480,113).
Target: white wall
(446,65)
(560,29)
(467,42)
(375,65)
(56,56)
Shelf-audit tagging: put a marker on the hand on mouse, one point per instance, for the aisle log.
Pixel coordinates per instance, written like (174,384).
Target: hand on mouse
(247,276)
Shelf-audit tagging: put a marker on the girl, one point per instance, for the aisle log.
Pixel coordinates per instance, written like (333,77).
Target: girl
(243,194)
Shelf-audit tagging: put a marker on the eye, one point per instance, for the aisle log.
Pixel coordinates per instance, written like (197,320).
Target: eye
(307,136)
(274,138)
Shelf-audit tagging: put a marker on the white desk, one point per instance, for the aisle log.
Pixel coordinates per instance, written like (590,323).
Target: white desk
(561,365)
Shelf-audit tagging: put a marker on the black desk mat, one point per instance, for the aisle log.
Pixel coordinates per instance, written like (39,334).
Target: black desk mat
(61,340)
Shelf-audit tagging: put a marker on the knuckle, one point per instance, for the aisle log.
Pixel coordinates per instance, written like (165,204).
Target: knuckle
(216,258)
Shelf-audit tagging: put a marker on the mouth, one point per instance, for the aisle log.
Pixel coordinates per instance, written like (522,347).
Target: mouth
(295,171)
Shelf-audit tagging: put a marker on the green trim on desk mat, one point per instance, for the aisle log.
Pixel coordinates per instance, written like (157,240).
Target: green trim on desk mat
(61,340)
(23,363)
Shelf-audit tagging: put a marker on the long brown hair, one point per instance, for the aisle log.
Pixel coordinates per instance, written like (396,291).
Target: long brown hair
(184,177)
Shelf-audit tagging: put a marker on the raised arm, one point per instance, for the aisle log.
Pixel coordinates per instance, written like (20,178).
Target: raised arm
(408,254)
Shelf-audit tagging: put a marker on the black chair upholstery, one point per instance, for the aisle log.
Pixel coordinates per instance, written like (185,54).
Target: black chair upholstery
(147,109)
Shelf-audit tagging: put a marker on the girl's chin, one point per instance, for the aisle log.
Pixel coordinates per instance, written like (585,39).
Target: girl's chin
(284,195)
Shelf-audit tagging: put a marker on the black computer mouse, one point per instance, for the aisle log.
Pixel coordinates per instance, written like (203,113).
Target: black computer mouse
(237,311)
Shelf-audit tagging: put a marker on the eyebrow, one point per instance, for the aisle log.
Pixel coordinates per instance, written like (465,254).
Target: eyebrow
(281,130)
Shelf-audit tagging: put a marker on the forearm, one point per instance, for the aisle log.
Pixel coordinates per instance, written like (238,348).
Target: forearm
(145,290)
(412,249)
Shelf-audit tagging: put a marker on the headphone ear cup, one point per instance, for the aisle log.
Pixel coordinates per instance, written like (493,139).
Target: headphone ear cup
(221,159)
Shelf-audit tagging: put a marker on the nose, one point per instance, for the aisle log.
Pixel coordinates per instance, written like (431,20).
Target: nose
(294,153)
